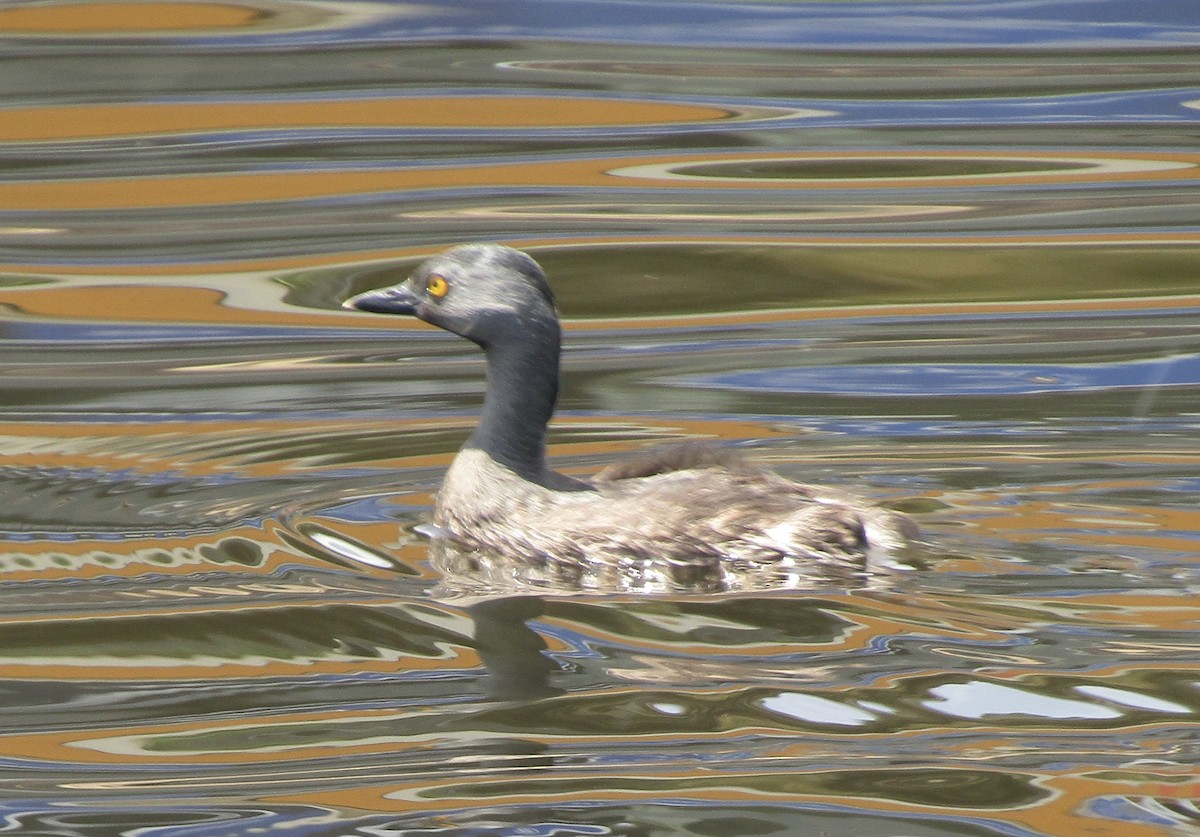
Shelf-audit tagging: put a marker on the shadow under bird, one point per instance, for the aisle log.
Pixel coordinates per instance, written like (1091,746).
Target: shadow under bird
(678,516)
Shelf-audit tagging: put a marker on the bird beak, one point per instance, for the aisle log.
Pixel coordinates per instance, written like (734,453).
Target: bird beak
(397,299)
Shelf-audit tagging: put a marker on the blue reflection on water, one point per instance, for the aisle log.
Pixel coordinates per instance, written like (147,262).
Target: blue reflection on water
(1169,104)
(877,379)
(1051,23)
(1134,106)
(70,332)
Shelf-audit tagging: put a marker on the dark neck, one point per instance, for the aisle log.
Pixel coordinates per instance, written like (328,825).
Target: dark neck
(522,386)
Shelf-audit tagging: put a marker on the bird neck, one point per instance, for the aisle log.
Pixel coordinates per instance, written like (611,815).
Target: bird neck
(521,390)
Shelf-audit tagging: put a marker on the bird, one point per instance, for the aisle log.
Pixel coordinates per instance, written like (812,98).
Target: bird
(690,515)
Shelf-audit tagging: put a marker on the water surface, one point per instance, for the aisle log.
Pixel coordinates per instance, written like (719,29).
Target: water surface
(944,255)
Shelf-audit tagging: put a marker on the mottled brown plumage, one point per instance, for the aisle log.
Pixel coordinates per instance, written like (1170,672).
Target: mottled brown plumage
(686,515)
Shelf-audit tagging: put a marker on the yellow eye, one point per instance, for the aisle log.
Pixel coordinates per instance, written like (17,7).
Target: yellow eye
(437,286)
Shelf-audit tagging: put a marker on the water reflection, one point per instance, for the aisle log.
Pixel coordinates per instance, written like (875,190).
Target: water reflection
(944,256)
(188,621)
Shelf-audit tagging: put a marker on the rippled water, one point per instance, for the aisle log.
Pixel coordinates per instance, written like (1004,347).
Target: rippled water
(942,254)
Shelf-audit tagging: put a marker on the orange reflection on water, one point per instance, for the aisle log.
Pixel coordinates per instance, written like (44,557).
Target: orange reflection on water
(655,171)
(1108,526)
(125,120)
(159,304)
(116,17)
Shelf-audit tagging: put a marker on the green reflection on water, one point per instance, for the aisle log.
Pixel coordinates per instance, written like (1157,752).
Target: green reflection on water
(850,169)
(648,280)
(951,788)
(281,633)
(733,623)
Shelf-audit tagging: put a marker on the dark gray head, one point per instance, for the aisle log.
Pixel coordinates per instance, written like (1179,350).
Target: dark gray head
(484,292)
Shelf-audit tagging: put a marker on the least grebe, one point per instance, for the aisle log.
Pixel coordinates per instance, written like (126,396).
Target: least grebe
(662,519)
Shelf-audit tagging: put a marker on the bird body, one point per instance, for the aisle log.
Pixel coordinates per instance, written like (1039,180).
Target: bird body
(683,515)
